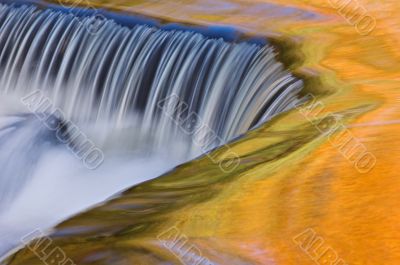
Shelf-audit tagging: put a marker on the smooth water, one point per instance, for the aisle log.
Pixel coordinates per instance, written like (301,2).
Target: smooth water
(115,84)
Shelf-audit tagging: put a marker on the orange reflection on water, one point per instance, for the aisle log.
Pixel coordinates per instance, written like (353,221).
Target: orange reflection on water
(254,218)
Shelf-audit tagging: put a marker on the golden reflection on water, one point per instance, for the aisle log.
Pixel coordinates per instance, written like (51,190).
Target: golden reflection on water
(291,177)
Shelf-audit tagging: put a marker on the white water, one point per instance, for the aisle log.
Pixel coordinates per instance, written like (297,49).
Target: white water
(61,187)
(110,84)
(59,184)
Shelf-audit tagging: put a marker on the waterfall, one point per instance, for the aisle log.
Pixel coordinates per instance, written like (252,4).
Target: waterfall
(141,89)
(118,71)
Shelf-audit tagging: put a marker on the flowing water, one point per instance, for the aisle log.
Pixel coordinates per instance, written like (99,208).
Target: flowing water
(115,87)
(292,179)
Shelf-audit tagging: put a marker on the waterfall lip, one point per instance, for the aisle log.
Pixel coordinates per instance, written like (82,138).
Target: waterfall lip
(38,6)
(254,69)
(226,32)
